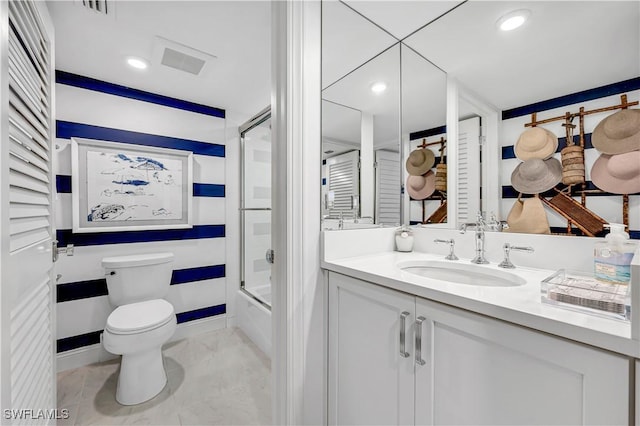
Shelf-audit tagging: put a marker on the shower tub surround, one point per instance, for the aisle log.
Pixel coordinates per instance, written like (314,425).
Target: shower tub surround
(506,335)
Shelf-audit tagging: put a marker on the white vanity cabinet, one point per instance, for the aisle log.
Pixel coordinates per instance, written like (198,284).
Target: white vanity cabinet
(469,369)
(370,381)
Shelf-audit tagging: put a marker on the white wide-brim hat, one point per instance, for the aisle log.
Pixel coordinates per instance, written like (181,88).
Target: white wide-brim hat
(617,174)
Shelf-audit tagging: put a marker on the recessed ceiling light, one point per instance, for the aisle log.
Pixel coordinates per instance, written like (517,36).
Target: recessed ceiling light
(378,87)
(513,20)
(137,63)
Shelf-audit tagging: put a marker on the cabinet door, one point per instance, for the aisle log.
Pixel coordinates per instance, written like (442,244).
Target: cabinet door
(370,381)
(484,371)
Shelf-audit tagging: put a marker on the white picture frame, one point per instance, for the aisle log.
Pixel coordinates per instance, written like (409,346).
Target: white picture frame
(126,187)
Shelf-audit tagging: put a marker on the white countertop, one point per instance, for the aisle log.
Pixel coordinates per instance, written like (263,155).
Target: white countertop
(519,305)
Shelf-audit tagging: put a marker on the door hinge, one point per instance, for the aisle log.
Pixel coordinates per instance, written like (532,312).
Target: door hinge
(56,251)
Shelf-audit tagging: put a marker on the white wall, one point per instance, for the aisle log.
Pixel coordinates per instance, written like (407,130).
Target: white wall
(84,315)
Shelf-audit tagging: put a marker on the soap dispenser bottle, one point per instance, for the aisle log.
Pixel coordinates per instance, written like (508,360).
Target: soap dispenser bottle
(612,257)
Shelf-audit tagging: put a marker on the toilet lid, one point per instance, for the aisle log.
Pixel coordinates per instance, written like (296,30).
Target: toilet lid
(140,316)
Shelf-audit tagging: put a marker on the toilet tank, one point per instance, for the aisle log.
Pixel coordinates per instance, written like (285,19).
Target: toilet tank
(138,277)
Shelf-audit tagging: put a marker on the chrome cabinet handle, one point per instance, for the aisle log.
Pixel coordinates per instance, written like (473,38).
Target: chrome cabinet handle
(419,359)
(403,334)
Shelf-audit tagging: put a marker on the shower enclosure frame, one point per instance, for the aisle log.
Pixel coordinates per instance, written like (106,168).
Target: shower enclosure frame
(249,125)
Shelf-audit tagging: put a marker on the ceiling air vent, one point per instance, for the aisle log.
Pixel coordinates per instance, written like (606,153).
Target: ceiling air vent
(181,61)
(103,7)
(180,57)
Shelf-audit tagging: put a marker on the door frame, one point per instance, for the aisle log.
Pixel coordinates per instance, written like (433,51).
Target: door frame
(298,286)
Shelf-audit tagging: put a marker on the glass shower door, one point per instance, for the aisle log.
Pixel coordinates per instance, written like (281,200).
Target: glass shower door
(255,207)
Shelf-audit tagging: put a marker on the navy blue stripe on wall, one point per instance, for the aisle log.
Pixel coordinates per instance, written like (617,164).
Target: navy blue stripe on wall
(508,151)
(63,186)
(75,342)
(574,98)
(66,236)
(429,132)
(509,192)
(201,313)
(634,235)
(68,129)
(181,276)
(93,338)
(208,190)
(95,288)
(75,80)
(81,290)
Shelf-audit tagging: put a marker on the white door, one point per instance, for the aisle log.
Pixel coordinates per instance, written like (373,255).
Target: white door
(27,353)
(370,354)
(483,371)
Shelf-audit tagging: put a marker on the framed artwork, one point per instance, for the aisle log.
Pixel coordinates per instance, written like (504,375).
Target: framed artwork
(124,187)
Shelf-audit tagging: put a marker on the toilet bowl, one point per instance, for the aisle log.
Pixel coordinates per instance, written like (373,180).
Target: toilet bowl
(140,324)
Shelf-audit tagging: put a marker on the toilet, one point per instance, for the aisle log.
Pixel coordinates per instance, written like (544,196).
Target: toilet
(141,322)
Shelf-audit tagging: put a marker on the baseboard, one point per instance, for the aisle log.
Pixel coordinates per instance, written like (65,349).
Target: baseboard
(96,353)
(193,328)
(82,356)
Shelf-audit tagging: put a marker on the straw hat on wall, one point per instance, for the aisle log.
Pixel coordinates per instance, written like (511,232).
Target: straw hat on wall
(535,175)
(536,142)
(420,161)
(618,133)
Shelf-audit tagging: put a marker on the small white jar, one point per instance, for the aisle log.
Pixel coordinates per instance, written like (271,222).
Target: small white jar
(404,239)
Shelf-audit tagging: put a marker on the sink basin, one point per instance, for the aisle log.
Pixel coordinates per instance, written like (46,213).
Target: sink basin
(461,273)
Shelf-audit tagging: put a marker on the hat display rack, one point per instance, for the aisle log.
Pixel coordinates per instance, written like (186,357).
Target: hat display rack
(440,194)
(577,213)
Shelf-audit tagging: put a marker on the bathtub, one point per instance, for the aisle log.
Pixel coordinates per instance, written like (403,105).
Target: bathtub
(255,319)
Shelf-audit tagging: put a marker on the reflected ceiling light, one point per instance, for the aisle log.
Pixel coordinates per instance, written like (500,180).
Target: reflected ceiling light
(378,87)
(513,20)
(137,63)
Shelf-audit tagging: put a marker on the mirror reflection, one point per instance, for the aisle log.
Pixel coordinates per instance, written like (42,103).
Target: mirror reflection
(361,149)
(424,93)
(565,70)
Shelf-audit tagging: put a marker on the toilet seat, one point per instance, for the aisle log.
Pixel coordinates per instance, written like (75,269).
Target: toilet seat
(140,317)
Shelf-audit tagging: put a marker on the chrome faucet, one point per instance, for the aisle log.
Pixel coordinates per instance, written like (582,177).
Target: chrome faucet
(480,227)
(341,221)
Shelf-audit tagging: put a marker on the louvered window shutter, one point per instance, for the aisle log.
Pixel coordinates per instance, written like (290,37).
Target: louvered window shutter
(468,169)
(387,187)
(29,133)
(343,179)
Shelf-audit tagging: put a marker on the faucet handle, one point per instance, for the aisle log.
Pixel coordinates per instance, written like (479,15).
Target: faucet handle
(506,263)
(452,243)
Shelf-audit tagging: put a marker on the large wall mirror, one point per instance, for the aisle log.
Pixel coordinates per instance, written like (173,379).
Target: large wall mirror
(483,91)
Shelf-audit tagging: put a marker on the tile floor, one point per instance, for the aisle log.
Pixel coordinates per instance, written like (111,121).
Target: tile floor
(215,378)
